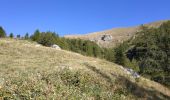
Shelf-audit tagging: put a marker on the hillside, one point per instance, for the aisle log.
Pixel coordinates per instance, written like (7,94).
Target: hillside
(112,37)
(31,71)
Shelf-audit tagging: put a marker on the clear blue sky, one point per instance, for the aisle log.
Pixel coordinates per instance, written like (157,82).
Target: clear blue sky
(78,16)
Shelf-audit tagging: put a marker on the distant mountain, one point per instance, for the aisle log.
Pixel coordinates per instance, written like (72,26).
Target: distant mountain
(112,37)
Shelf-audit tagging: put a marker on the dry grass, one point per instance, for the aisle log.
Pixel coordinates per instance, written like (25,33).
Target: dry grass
(119,34)
(27,70)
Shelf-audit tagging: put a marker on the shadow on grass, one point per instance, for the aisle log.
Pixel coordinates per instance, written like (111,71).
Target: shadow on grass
(141,92)
(133,88)
(94,69)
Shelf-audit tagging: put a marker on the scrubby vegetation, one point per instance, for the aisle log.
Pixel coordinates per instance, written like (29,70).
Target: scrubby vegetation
(147,53)
(61,84)
(150,50)
(31,72)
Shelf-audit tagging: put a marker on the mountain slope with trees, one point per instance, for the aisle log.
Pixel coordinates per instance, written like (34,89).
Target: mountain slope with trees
(31,72)
(147,52)
(150,49)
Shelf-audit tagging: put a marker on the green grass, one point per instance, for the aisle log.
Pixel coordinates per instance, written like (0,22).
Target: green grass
(30,72)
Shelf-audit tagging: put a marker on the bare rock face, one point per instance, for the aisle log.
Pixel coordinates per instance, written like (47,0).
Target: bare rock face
(102,38)
(106,38)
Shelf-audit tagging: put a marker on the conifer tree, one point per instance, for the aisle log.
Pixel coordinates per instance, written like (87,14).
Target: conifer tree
(36,35)
(11,35)
(26,36)
(2,32)
(18,36)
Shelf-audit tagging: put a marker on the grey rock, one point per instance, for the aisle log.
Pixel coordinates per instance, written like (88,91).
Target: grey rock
(37,45)
(102,39)
(136,75)
(132,72)
(106,37)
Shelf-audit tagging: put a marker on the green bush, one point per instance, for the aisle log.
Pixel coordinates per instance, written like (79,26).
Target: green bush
(47,39)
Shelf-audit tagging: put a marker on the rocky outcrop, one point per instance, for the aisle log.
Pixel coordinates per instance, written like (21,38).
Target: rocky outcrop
(132,72)
(103,38)
(106,38)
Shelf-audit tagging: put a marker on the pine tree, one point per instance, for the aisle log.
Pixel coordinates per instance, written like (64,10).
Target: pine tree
(88,48)
(2,32)
(109,54)
(36,35)
(120,56)
(96,51)
(11,35)
(18,36)
(26,36)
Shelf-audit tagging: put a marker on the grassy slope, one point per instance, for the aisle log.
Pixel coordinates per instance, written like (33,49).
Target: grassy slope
(119,34)
(30,71)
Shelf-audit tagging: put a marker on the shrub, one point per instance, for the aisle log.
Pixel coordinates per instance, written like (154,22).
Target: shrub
(47,39)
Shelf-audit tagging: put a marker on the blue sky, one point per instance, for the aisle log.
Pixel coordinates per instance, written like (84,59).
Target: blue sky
(78,16)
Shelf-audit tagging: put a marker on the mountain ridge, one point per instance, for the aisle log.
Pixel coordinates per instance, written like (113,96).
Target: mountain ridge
(118,35)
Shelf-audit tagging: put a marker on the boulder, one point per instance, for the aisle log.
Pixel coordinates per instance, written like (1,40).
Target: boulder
(56,47)
(136,75)
(132,72)
(37,45)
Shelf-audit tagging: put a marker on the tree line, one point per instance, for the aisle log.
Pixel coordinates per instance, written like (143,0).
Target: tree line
(84,47)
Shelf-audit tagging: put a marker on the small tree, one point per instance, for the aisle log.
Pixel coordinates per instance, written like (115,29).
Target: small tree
(26,36)
(2,32)
(11,35)
(18,36)
(36,36)
(120,57)
(88,48)
(109,54)
(96,50)
(47,39)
